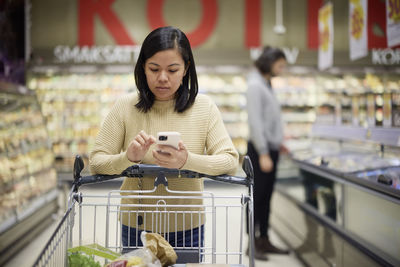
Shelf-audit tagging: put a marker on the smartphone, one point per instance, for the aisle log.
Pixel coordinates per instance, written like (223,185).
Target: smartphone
(169,139)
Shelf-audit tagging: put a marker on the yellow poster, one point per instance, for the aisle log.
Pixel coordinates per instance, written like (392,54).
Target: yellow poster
(325,29)
(393,22)
(358,28)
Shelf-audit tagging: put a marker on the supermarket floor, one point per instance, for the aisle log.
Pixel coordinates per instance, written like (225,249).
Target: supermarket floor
(28,255)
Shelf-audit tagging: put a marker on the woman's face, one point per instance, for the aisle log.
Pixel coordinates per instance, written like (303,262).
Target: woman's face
(278,67)
(164,72)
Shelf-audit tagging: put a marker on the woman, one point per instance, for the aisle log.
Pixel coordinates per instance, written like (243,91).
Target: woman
(167,100)
(266,136)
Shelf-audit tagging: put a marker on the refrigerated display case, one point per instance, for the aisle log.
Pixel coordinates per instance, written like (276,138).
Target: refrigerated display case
(28,180)
(343,207)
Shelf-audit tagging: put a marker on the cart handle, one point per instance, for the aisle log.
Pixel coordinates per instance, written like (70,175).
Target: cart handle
(140,170)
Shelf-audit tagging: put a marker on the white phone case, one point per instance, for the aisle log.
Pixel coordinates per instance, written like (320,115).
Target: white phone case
(169,138)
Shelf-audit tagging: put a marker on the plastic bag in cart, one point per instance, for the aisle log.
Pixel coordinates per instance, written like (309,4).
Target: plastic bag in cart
(156,252)
(141,257)
(159,247)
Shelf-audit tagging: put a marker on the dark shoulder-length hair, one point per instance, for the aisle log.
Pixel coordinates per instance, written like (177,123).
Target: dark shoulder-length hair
(267,58)
(161,39)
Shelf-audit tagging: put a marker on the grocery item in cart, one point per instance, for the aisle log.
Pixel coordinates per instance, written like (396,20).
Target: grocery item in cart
(156,252)
(81,260)
(142,257)
(160,247)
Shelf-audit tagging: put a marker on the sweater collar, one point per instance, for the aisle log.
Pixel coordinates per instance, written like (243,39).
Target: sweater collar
(163,104)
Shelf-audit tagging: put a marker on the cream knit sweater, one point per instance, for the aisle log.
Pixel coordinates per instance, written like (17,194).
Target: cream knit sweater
(202,131)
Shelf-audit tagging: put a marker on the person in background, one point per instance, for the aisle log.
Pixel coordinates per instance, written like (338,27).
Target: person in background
(265,141)
(167,100)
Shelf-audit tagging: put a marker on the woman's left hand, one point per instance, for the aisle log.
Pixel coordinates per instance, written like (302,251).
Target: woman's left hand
(169,157)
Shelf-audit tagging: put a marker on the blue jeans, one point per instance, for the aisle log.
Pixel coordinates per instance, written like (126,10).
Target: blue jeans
(175,239)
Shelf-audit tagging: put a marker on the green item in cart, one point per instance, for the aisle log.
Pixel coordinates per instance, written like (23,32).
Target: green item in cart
(80,260)
(96,250)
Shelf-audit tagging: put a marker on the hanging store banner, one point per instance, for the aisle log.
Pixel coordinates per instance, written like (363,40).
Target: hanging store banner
(325,29)
(209,24)
(393,22)
(220,31)
(358,10)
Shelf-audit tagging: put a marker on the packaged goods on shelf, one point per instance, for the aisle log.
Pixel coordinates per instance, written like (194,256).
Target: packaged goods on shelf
(297,130)
(26,159)
(74,106)
(228,90)
(294,91)
(298,96)
(396,109)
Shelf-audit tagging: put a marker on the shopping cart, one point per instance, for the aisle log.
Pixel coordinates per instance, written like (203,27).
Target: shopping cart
(97,218)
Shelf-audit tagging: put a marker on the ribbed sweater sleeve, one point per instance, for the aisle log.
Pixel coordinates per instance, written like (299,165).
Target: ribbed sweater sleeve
(221,156)
(107,157)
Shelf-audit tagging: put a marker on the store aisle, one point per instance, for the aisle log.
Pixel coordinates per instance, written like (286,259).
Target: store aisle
(28,255)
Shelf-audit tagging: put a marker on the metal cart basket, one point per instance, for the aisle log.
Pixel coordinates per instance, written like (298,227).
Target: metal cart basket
(97,218)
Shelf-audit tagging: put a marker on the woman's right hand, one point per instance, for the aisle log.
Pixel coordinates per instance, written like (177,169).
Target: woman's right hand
(266,164)
(139,146)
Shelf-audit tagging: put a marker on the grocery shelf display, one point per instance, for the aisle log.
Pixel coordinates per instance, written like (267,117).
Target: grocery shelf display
(28,179)
(74,106)
(228,91)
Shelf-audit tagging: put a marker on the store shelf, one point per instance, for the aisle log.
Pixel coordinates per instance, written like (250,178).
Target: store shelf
(74,106)
(20,229)
(28,179)
(8,186)
(14,89)
(35,205)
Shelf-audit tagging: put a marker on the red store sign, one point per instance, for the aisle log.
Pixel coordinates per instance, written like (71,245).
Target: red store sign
(87,11)
(252,24)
